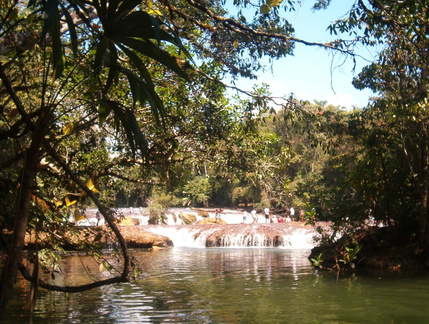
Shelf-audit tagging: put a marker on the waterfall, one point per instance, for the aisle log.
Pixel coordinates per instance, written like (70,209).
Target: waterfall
(237,236)
(239,231)
(246,240)
(182,236)
(300,239)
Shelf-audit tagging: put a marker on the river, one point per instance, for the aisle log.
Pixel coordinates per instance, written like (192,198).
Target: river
(232,285)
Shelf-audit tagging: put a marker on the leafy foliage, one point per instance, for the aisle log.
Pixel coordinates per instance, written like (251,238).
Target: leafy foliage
(158,204)
(198,191)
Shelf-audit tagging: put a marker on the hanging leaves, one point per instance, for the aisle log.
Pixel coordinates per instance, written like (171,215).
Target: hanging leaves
(52,26)
(69,202)
(126,38)
(91,186)
(151,10)
(67,129)
(266,7)
(136,33)
(126,118)
(77,215)
(274,3)
(58,203)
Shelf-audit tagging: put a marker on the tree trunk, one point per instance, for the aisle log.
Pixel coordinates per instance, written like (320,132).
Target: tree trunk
(28,176)
(14,256)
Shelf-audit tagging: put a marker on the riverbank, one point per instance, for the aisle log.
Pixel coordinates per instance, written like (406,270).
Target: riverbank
(391,248)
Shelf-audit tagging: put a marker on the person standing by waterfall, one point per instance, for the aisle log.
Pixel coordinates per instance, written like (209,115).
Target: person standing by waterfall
(301,215)
(292,213)
(267,214)
(254,216)
(218,215)
(98,217)
(244,217)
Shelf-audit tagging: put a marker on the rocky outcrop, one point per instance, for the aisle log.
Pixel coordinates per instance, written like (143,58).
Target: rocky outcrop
(128,221)
(249,234)
(135,237)
(211,220)
(188,218)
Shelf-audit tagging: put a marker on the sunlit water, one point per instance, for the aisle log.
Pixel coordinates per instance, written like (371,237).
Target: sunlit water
(236,285)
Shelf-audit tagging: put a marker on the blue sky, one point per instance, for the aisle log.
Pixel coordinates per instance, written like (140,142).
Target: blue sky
(314,73)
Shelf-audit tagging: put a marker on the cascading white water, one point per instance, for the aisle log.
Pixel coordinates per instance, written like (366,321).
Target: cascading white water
(182,236)
(247,240)
(240,231)
(299,239)
(190,236)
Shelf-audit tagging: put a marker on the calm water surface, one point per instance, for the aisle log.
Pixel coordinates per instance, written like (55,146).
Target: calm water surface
(185,285)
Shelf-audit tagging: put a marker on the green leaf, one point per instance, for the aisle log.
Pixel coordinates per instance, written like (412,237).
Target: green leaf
(138,136)
(142,92)
(139,24)
(125,7)
(113,68)
(147,86)
(101,10)
(128,121)
(264,9)
(274,3)
(99,54)
(52,26)
(71,29)
(103,111)
(151,50)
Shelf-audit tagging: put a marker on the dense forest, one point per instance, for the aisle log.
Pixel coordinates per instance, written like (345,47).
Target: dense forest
(124,103)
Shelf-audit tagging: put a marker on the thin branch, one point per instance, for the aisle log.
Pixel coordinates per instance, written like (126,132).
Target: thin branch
(71,289)
(103,210)
(233,25)
(18,104)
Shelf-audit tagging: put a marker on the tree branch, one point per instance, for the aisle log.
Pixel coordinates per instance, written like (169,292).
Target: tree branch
(70,289)
(103,210)
(235,26)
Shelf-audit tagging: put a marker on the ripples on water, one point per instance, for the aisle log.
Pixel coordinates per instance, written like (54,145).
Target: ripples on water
(184,285)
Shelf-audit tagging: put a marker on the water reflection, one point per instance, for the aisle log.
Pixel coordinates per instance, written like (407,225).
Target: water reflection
(215,285)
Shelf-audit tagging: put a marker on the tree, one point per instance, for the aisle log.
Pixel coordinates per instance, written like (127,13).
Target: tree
(386,176)
(38,107)
(308,139)
(398,134)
